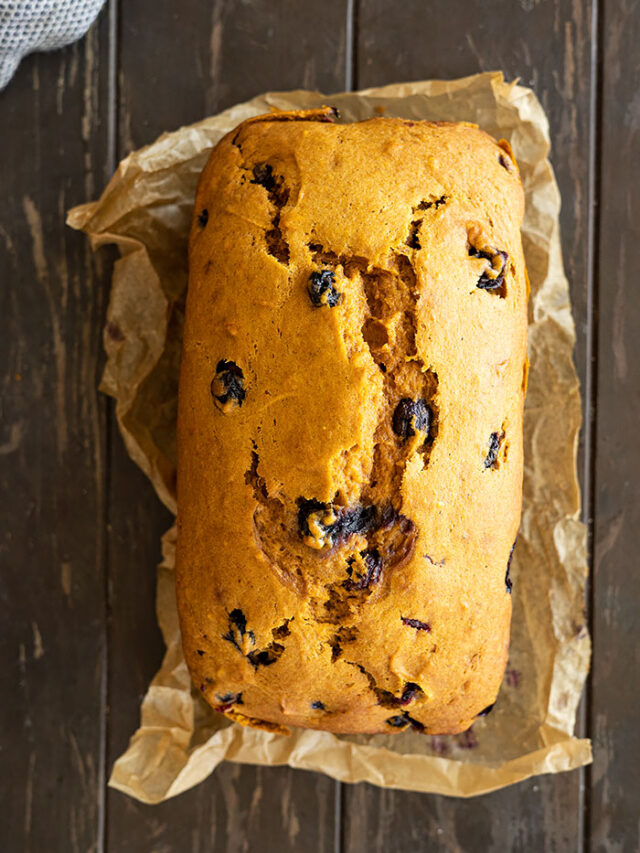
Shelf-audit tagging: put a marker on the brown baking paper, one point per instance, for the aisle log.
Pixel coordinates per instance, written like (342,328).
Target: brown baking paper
(146,211)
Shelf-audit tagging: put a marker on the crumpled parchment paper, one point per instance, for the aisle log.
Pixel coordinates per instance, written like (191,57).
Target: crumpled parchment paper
(145,210)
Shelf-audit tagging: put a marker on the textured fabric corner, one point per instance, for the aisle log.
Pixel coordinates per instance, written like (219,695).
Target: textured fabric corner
(32,25)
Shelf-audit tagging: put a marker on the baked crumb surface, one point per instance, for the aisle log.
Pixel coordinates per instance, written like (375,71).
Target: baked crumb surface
(350,423)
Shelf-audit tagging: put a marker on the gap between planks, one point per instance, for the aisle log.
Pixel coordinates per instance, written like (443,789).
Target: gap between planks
(112,12)
(591,382)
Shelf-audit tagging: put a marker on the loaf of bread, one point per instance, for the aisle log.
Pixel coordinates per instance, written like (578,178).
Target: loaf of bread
(350,423)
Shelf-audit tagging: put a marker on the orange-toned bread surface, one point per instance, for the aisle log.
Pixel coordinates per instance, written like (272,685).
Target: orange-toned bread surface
(350,423)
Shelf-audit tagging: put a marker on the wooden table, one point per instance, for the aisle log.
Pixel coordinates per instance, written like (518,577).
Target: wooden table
(80,524)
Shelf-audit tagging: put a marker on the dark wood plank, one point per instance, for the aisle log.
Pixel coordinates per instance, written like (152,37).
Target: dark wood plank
(240,809)
(198,59)
(204,57)
(547,45)
(53,154)
(532,816)
(615,791)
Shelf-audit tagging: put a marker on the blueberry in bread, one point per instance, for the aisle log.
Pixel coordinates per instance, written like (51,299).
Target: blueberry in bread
(350,423)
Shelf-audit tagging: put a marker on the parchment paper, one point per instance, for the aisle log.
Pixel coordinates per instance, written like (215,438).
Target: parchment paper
(146,211)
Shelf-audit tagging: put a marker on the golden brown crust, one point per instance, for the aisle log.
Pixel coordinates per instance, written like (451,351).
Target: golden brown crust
(350,423)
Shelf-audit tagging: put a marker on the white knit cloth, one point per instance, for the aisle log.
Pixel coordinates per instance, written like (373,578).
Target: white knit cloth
(28,25)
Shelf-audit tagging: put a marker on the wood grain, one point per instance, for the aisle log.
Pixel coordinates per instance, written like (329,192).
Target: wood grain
(226,52)
(547,45)
(614,823)
(52,456)
(240,809)
(79,520)
(536,815)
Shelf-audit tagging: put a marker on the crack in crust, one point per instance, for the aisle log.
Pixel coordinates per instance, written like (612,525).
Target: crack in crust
(493,278)
(413,238)
(243,640)
(410,692)
(356,558)
(263,175)
(389,331)
(278,194)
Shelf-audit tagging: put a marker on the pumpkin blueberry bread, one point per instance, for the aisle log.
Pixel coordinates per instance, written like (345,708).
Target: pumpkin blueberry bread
(350,423)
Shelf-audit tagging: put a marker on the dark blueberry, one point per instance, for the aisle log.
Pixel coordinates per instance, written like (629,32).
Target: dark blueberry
(263,175)
(267,656)
(372,563)
(359,519)
(390,700)
(409,693)
(486,710)
(321,290)
(318,706)
(227,387)
(495,440)
(230,698)
(305,509)
(402,720)
(411,416)
(398,722)
(237,618)
(203,217)
(507,580)
(237,629)
(258,657)
(416,623)
(316,521)
(486,281)
(321,524)
(200,652)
